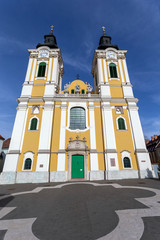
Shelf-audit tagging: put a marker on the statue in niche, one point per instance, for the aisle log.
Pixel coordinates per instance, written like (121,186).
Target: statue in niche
(77,88)
(89,88)
(66,87)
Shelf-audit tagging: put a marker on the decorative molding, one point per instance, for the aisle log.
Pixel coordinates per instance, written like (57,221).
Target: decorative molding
(110,151)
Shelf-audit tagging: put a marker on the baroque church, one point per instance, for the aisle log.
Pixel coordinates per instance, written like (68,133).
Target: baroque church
(81,132)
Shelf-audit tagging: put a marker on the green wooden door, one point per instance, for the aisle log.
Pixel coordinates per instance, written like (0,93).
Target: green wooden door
(77,166)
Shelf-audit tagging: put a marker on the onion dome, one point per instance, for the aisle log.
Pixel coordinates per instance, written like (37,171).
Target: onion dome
(105,41)
(49,40)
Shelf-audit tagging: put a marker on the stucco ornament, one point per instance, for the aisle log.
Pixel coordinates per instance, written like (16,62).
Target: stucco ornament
(89,88)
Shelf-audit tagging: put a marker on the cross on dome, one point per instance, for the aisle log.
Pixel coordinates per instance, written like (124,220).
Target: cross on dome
(104,30)
(52,28)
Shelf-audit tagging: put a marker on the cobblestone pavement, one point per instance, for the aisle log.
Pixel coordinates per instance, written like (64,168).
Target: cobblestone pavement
(117,210)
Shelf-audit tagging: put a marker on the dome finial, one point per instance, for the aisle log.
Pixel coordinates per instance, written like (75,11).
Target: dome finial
(52,28)
(104,31)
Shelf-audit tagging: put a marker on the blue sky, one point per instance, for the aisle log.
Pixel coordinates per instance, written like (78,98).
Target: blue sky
(134,25)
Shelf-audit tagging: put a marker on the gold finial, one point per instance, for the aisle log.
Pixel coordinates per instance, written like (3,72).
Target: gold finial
(104,31)
(52,28)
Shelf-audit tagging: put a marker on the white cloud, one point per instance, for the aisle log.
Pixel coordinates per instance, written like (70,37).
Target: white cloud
(77,63)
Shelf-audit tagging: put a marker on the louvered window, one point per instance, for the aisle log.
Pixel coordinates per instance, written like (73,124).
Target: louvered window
(33,125)
(42,69)
(121,124)
(113,70)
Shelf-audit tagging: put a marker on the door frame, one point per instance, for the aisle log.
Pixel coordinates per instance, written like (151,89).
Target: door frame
(78,147)
(86,172)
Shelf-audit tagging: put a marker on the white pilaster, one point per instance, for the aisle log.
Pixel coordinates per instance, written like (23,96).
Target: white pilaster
(99,71)
(121,71)
(49,70)
(55,70)
(33,69)
(109,138)
(144,163)
(29,69)
(11,160)
(93,151)
(45,138)
(105,71)
(61,154)
(126,70)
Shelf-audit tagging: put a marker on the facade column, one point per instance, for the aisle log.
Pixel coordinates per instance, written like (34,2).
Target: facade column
(95,174)
(29,69)
(144,163)
(112,172)
(51,84)
(27,86)
(10,166)
(61,174)
(126,70)
(33,70)
(105,70)
(43,157)
(127,87)
(49,70)
(103,83)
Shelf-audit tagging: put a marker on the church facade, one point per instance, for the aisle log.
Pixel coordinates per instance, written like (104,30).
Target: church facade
(76,133)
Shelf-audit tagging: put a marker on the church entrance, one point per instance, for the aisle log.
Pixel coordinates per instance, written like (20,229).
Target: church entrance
(77,166)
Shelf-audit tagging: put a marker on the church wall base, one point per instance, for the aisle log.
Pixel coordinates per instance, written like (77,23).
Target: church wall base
(8,178)
(96,175)
(124,174)
(59,176)
(146,173)
(32,177)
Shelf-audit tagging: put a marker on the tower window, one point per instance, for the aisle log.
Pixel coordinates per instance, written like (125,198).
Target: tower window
(113,70)
(27,164)
(33,124)
(77,118)
(121,124)
(42,69)
(82,91)
(72,91)
(126,162)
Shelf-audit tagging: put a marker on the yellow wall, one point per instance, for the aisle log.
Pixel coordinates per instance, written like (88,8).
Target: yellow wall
(116,92)
(31,140)
(124,140)
(38,91)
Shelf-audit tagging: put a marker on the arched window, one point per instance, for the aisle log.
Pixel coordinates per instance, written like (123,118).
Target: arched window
(77,118)
(27,164)
(113,70)
(121,124)
(42,69)
(126,162)
(72,91)
(33,124)
(82,91)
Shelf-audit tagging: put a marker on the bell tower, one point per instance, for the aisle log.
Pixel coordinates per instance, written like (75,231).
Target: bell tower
(42,83)
(112,83)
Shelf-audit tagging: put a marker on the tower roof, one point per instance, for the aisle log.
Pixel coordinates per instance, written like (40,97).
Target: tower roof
(49,40)
(105,42)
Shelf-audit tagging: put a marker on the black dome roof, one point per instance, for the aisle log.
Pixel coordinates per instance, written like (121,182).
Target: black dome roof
(49,41)
(105,42)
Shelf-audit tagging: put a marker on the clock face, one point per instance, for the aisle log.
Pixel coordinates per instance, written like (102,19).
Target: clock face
(43,53)
(111,55)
